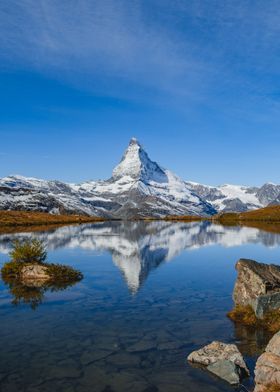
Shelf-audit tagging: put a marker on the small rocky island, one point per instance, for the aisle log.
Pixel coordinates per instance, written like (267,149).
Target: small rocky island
(29,276)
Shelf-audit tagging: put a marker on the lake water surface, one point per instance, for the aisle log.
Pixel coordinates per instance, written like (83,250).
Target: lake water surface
(152,292)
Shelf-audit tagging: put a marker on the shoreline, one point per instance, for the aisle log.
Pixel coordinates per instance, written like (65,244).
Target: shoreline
(31,218)
(267,219)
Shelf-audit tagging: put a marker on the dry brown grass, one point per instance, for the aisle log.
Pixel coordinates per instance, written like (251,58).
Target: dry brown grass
(267,219)
(25,218)
(246,316)
(266,214)
(272,388)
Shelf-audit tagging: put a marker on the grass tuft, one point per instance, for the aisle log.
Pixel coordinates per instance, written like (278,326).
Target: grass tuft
(28,251)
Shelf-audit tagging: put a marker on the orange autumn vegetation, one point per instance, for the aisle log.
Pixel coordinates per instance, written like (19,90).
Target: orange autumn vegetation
(272,388)
(266,214)
(26,218)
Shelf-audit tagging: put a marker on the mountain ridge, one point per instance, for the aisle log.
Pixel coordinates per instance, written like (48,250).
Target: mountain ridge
(138,188)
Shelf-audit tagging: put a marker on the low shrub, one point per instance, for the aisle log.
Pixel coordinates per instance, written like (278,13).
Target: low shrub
(63,273)
(11,270)
(28,251)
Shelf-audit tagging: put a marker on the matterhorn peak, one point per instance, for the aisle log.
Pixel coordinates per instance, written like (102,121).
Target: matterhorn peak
(136,164)
(133,140)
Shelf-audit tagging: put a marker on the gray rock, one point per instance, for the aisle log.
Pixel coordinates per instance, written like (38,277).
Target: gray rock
(257,285)
(225,369)
(219,354)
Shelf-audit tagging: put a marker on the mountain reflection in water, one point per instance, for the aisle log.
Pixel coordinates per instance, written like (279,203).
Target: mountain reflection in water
(95,336)
(139,247)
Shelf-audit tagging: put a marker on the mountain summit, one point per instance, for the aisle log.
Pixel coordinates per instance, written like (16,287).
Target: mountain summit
(141,188)
(138,188)
(137,165)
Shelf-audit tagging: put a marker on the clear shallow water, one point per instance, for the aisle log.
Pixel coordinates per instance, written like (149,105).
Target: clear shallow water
(152,292)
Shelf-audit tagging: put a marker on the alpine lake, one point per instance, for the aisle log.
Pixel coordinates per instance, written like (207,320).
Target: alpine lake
(152,292)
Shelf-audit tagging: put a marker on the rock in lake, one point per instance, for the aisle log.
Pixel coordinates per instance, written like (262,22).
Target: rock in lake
(226,370)
(267,371)
(34,272)
(257,285)
(224,360)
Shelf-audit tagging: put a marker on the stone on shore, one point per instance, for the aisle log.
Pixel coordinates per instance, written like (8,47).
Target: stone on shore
(257,285)
(267,371)
(224,360)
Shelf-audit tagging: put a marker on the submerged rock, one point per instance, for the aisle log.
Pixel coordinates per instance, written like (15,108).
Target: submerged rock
(227,370)
(267,371)
(257,285)
(224,360)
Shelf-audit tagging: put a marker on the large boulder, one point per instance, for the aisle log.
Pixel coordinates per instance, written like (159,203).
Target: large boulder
(34,272)
(267,371)
(257,285)
(224,360)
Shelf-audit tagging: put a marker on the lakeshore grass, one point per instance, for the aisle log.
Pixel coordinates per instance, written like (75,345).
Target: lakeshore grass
(26,218)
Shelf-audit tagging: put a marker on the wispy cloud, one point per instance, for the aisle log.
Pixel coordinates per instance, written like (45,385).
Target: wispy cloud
(99,41)
(194,50)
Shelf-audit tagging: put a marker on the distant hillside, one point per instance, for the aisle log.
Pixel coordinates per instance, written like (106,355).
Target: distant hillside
(266,214)
(184,218)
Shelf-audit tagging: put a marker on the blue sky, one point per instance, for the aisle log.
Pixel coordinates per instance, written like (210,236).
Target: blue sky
(197,82)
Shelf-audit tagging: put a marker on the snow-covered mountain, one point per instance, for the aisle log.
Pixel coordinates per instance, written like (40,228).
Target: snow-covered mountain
(237,198)
(138,188)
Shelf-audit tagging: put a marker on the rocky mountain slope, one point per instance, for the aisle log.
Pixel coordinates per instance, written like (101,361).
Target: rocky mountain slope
(236,198)
(138,188)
